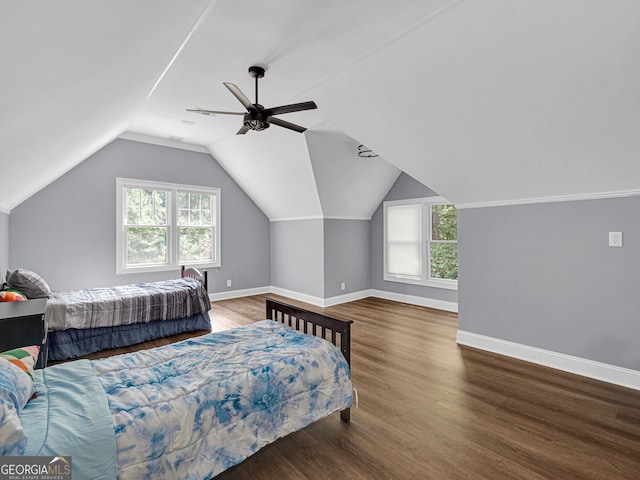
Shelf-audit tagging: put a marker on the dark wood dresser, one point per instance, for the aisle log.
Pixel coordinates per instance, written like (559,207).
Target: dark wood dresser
(22,324)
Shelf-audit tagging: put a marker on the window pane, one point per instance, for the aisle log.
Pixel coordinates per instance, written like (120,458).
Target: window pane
(196,244)
(146,206)
(403,223)
(205,217)
(444,222)
(195,209)
(183,216)
(183,200)
(444,260)
(133,206)
(160,207)
(404,239)
(404,259)
(146,245)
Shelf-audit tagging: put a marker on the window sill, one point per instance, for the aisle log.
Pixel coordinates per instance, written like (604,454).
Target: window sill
(163,268)
(445,284)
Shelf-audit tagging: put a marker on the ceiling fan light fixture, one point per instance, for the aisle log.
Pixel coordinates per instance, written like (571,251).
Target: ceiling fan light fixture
(255,124)
(255,119)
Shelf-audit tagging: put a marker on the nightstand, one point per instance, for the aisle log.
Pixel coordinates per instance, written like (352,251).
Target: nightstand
(22,324)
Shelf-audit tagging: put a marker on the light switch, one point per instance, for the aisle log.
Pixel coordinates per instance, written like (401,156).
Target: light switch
(615,239)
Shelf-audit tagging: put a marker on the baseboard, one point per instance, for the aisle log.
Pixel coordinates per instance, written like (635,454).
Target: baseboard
(624,377)
(415,300)
(303,297)
(347,297)
(247,292)
(337,300)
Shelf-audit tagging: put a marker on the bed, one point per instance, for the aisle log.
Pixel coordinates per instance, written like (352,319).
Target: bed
(192,409)
(86,321)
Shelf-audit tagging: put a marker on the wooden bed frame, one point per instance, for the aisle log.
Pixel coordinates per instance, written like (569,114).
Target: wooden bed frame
(196,275)
(336,331)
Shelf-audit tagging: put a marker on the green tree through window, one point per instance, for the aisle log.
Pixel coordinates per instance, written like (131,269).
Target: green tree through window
(164,225)
(421,242)
(443,247)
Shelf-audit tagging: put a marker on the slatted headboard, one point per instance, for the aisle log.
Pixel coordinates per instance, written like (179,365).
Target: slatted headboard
(196,275)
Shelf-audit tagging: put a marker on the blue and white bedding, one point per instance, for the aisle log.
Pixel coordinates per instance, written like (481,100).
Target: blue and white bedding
(70,416)
(126,304)
(195,408)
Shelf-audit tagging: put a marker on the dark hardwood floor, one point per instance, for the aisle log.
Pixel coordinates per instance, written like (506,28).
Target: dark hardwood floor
(430,409)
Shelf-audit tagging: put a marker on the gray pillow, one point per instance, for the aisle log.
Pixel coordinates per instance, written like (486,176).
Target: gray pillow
(28,282)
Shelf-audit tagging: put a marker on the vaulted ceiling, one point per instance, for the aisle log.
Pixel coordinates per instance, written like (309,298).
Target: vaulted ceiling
(484,101)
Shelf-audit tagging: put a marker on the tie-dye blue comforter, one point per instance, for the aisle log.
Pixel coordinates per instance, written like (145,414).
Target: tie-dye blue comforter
(193,409)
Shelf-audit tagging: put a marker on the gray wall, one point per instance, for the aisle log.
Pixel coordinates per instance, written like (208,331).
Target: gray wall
(543,275)
(404,187)
(297,256)
(346,256)
(4,245)
(66,232)
(315,256)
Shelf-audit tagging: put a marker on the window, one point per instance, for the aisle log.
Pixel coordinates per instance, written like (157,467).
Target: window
(163,225)
(420,242)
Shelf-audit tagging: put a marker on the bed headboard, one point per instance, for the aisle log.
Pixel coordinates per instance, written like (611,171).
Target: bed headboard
(196,275)
(336,331)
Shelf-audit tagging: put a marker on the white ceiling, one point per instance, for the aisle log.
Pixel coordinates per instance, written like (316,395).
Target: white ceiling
(481,100)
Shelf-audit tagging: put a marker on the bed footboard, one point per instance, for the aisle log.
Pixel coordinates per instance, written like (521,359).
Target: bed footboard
(335,331)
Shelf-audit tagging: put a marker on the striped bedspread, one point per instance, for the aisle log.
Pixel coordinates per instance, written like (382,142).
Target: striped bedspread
(126,304)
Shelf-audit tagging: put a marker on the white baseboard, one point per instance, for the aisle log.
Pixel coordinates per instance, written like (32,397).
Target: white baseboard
(347,297)
(587,368)
(303,297)
(337,300)
(415,300)
(215,297)
(321,302)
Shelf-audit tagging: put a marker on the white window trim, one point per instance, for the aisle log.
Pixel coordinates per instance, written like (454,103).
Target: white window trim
(424,252)
(121,267)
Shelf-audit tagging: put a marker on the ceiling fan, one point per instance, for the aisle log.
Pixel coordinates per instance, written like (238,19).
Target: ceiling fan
(258,117)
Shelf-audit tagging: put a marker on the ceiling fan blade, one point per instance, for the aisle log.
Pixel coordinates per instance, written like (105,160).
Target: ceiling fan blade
(212,112)
(242,130)
(239,95)
(294,107)
(289,125)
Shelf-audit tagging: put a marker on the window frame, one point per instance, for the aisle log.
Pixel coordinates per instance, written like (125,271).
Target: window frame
(173,262)
(425,278)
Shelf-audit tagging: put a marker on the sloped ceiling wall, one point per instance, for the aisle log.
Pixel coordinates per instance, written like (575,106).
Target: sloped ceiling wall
(483,101)
(500,101)
(74,74)
(349,186)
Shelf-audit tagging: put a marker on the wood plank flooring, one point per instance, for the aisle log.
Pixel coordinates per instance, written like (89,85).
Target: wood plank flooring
(429,409)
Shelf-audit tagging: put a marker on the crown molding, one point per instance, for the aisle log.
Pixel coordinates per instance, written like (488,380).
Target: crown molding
(553,199)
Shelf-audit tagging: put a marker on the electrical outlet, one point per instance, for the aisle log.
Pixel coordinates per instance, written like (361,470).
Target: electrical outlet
(228,283)
(615,239)
(343,286)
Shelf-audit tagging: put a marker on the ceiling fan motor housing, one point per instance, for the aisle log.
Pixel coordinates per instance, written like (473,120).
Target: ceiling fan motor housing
(255,119)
